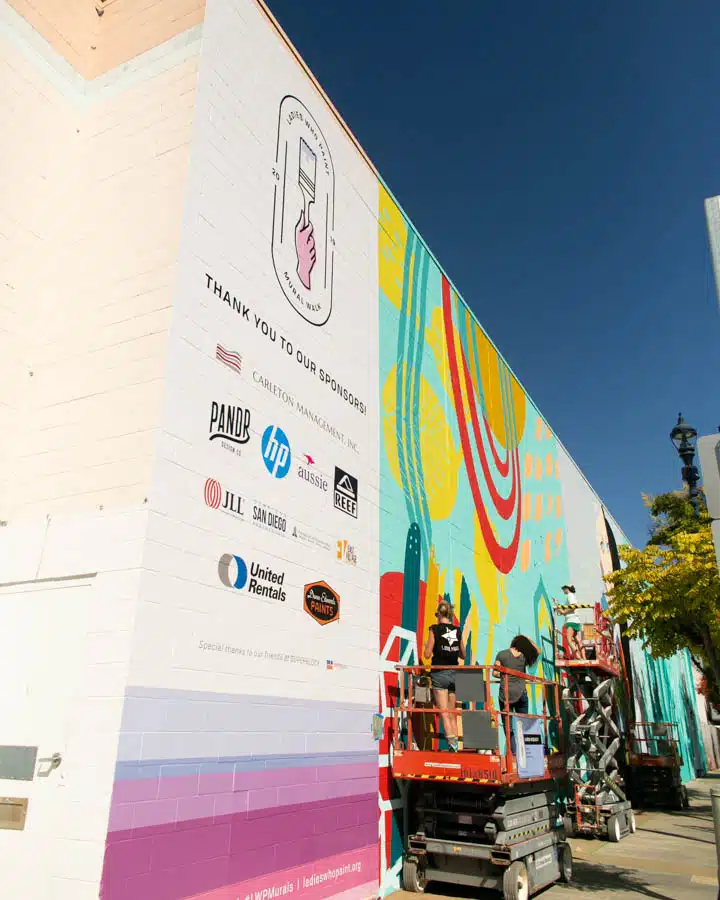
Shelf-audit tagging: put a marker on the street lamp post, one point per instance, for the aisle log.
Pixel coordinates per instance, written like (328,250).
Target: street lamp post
(684,438)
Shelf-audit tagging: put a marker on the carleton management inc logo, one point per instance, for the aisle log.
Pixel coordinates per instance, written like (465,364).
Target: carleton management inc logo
(321,602)
(259,580)
(303,244)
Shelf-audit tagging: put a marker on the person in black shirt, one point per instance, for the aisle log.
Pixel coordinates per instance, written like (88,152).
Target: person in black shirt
(445,646)
(521,654)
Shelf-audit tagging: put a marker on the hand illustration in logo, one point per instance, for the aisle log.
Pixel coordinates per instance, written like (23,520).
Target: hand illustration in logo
(305,247)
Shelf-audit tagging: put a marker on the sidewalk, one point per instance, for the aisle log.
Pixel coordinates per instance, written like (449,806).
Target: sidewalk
(670,857)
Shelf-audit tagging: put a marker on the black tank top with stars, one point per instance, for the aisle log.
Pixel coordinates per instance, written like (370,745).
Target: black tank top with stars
(446,651)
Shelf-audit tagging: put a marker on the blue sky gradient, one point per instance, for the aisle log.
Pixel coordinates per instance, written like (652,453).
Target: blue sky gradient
(555,156)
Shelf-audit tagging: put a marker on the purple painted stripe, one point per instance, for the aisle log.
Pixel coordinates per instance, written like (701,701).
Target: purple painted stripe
(225,849)
(192,785)
(218,792)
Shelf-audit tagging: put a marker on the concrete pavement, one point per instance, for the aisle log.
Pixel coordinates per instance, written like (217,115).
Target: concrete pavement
(670,857)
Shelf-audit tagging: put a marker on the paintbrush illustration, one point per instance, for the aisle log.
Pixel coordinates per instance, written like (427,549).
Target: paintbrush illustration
(307,172)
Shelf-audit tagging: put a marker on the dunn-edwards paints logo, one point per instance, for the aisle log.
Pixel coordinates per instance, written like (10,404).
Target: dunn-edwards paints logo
(303,245)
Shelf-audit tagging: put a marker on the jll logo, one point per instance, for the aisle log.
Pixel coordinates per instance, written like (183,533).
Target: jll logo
(216,498)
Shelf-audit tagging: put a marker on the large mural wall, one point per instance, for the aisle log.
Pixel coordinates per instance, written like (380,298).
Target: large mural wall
(342,446)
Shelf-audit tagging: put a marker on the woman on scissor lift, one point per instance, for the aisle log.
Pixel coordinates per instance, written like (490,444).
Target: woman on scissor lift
(445,646)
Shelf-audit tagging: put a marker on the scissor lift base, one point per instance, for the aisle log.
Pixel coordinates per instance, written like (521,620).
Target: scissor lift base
(612,821)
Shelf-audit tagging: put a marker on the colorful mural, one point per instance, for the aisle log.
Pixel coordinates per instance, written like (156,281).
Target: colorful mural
(480,506)
(471,498)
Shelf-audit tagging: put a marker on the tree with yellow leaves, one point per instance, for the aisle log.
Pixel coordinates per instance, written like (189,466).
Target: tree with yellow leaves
(669,593)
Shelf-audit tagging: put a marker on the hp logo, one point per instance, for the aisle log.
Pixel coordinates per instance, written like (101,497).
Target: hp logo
(276,451)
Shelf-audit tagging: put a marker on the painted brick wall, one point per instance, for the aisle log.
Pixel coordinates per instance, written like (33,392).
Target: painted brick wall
(67,605)
(93,228)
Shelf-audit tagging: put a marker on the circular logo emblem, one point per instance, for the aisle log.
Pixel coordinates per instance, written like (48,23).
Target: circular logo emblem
(213,493)
(233,571)
(276,451)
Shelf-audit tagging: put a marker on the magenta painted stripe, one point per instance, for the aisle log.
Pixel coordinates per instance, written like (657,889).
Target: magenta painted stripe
(156,863)
(184,798)
(355,878)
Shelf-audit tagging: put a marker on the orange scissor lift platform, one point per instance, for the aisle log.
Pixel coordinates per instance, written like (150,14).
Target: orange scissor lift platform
(486,816)
(598,803)
(654,765)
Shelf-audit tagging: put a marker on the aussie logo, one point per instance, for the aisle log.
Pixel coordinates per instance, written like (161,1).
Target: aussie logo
(276,452)
(261,581)
(226,501)
(308,472)
(321,602)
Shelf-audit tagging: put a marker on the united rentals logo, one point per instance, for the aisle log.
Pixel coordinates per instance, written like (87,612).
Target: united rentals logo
(346,493)
(307,472)
(229,358)
(276,452)
(217,498)
(269,519)
(230,425)
(347,553)
(321,602)
(261,581)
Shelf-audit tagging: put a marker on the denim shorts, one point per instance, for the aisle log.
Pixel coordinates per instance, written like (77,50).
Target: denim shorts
(444,680)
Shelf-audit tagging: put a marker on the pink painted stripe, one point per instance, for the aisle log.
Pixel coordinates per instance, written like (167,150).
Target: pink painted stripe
(183,798)
(345,875)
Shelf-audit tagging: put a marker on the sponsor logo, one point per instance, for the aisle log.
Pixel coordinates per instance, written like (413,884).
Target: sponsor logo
(261,581)
(269,519)
(303,244)
(346,553)
(230,425)
(346,492)
(293,403)
(217,498)
(333,664)
(229,358)
(312,540)
(307,472)
(276,451)
(321,602)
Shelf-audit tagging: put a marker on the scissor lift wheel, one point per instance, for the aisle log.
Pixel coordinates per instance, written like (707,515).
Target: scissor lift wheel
(413,877)
(566,863)
(516,885)
(614,830)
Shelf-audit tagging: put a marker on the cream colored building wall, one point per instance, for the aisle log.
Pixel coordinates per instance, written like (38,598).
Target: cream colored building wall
(93,173)
(91,200)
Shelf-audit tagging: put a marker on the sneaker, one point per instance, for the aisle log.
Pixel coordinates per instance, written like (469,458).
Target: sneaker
(453,745)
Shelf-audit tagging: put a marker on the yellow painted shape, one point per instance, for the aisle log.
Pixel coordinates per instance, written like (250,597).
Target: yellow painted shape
(538,468)
(538,507)
(549,465)
(491,587)
(525,556)
(439,456)
(392,243)
(528,465)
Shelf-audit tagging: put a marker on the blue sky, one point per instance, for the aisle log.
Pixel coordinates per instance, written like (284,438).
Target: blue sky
(555,156)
